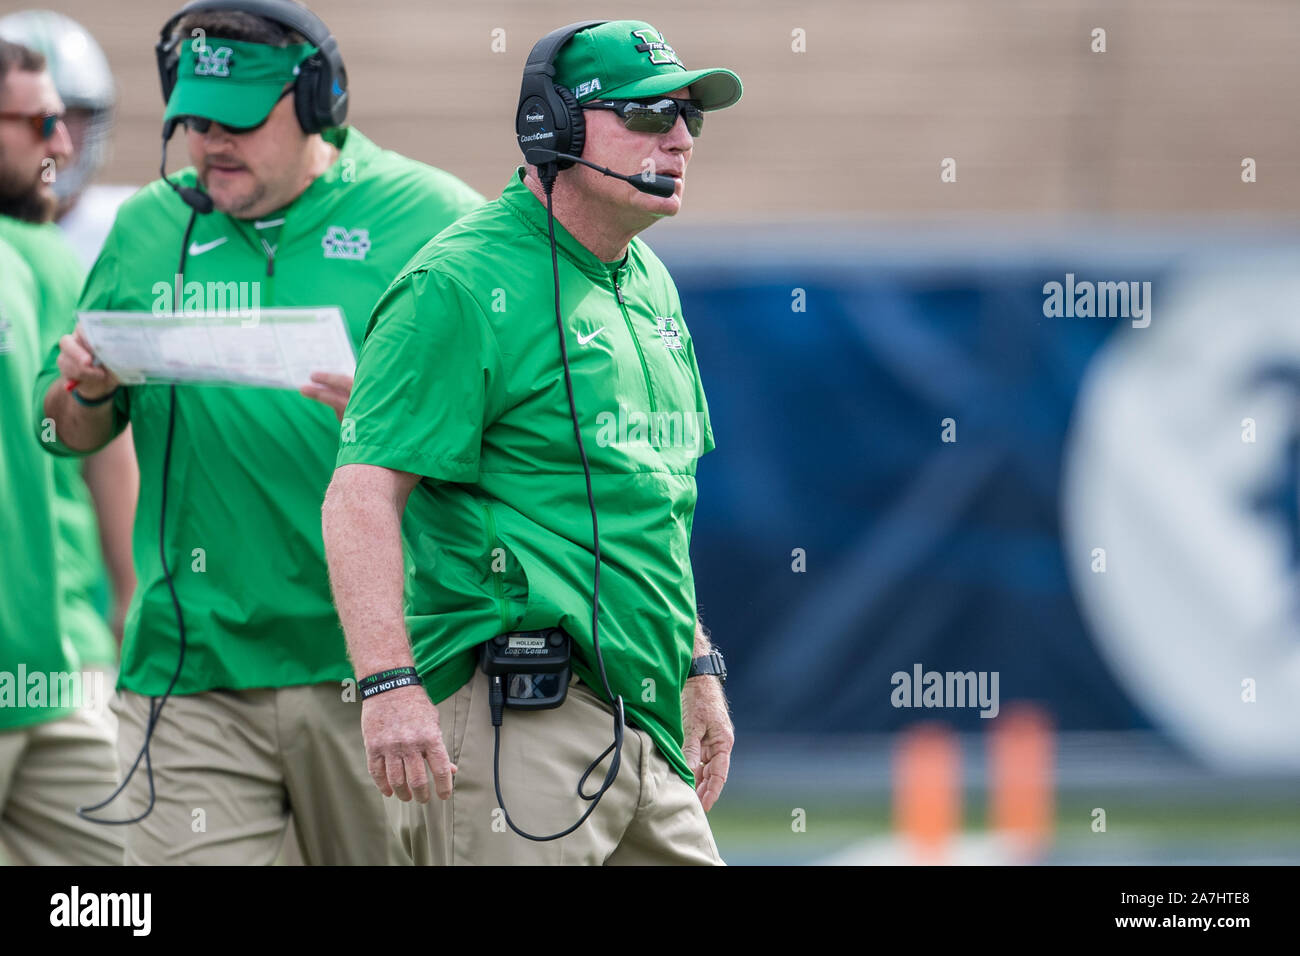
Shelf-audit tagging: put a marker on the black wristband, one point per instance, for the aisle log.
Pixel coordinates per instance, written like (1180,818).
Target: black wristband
(93,402)
(405,680)
(382,676)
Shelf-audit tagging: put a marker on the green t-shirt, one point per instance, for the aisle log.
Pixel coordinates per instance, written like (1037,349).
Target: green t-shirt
(83,580)
(30,641)
(249,466)
(460,381)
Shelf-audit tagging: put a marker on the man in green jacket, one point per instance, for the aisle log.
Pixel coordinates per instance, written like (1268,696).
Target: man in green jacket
(463,452)
(232,632)
(55,753)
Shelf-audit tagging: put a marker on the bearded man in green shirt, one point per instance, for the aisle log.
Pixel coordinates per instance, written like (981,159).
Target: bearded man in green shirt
(96,495)
(55,754)
(233,667)
(462,452)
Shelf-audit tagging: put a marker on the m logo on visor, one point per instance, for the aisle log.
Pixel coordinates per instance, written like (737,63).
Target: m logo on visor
(661,54)
(213,62)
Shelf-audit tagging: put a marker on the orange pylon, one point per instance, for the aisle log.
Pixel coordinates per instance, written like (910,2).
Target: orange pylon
(1022,779)
(927,790)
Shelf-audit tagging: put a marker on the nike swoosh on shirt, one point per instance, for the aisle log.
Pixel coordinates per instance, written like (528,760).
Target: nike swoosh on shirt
(584,339)
(198,250)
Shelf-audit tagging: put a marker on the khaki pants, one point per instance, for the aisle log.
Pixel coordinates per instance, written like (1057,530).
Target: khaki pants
(47,770)
(649,816)
(228,768)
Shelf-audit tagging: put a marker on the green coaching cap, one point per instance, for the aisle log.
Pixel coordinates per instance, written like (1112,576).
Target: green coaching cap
(232,82)
(629,60)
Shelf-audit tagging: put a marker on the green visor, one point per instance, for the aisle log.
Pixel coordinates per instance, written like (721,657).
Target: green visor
(232,82)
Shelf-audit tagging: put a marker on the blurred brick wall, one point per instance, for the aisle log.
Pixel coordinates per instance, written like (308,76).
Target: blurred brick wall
(858,124)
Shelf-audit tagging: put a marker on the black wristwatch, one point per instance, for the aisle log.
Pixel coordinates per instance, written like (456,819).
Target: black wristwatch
(710,664)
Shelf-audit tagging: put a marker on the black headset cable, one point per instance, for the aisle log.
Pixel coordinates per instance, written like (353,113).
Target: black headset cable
(497,696)
(155,703)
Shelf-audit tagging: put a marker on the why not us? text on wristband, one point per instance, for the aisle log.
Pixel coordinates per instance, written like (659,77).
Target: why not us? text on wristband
(385,675)
(406,680)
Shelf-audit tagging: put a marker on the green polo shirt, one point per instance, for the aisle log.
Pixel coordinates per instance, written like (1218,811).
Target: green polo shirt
(30,641)
(249,466)
(460,381)
(83,580)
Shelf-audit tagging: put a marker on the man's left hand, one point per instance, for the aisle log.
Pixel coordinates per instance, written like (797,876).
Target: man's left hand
(708,737)
(331,389)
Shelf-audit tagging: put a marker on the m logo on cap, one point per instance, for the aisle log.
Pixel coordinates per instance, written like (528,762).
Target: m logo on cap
(661,54)
(213,62)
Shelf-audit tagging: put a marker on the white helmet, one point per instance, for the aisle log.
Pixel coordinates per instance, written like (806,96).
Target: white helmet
(81,75)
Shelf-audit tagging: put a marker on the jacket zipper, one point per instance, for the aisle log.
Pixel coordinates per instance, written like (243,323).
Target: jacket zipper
(266,249)
(645,369)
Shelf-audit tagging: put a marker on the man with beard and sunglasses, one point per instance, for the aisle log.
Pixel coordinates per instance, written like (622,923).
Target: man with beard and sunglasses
(56,753)
(95,506)
(464,459)
(234,672)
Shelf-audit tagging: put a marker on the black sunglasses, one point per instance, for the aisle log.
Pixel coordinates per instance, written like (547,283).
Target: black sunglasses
(43,124)
(201,124)
(653,116)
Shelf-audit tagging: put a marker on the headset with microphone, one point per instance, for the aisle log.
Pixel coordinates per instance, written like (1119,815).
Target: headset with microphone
(320,89)
(549,122)
(320,101)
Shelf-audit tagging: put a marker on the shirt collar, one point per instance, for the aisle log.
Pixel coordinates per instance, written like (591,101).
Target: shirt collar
(520,199)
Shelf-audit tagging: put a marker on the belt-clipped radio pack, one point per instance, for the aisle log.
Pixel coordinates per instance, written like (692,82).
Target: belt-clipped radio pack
(533,665)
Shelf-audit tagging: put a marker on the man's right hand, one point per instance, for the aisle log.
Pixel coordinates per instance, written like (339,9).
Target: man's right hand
(77,364)
(401,731)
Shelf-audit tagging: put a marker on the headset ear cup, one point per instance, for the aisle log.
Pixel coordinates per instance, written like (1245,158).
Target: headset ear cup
(304,95)
(168,66)
(336,108)
(310,95)
(577,125)
(314,100)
